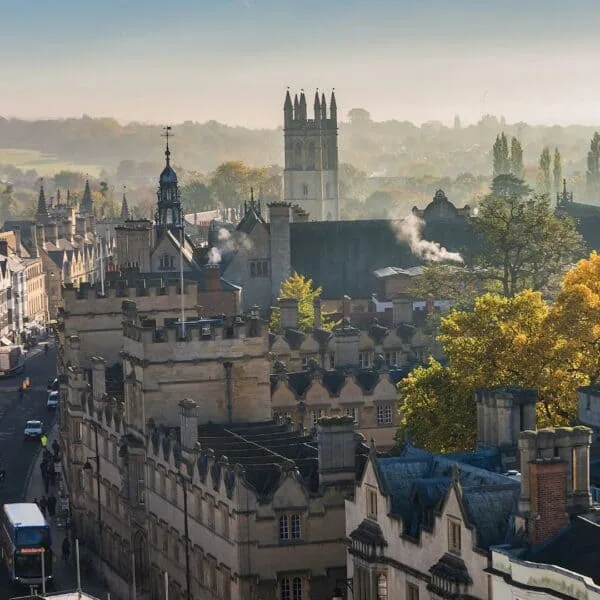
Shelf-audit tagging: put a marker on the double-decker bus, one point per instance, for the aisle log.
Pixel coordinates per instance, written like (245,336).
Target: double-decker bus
(26,540)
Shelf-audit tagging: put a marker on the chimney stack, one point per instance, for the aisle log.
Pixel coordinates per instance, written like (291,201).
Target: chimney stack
(336,441)
(98,378)
(280,245)
(17,232)
(429,304)
(346,306)
(347,341)
(81,226)
(73,354)
(188,423)
(53,234)
(318,318)
(555,478)
(402,309)
(40,235)
(289,313)
(212,278)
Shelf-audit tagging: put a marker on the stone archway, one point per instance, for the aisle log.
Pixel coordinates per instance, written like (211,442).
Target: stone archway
(142,567)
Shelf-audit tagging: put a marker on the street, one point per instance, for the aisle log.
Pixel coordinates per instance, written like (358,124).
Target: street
(17,455)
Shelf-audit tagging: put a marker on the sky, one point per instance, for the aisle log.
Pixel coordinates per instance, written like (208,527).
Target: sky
(232,60)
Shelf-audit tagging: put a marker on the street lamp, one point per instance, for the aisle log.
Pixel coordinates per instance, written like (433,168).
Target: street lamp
(183,480)
(88,467)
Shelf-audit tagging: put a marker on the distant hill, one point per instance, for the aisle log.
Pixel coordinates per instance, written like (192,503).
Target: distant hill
(385,149)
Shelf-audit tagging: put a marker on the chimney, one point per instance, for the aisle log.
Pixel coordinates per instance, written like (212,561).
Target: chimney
(317,308)
(69,230)
(347,340)
(280,246)
(289,313)
(4,248)
(336,441)
(346,306)
(17,232)
(40,236)
(555,478)
(402,309)
(53,234)
(188,423)
(98,378)
(212,278)
(429,304)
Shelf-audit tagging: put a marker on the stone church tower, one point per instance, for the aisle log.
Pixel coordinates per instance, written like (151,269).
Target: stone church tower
(311,157)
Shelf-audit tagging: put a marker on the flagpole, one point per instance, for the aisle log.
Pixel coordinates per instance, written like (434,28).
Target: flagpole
(101,267)
(181,282)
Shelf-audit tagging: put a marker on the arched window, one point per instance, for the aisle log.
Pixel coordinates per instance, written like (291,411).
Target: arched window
(305,191)
(298,155)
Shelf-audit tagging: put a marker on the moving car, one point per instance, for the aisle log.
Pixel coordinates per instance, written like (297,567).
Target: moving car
(33,430)
(52,401)
(53,385)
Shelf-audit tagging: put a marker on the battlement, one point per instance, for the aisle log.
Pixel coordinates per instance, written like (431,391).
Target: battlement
(303,125)
(119,289)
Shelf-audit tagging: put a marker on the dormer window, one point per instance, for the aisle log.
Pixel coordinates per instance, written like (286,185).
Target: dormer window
(371,503)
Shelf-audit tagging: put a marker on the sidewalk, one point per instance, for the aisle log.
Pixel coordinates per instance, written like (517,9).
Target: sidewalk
(65,575)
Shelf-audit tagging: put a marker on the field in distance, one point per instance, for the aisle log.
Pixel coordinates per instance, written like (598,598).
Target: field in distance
(45,164)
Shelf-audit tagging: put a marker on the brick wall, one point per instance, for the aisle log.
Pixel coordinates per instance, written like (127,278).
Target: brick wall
(548,480)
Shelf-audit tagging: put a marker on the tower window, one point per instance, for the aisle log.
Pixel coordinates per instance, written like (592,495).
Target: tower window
(259,268)
(298,156)
(311,159)
(305,191)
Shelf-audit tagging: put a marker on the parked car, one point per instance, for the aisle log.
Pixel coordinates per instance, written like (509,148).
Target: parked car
(53,385)
(33,430)
(52,401)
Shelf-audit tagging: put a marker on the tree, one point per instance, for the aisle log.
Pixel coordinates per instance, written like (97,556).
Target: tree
(508,185)
(501,342)
(501,156)
(593,166)
(523,244)
(516,158)
(299,287)
(557,172)
(432,423)
(69,180)
(196,197)
(7,202)
(544,184)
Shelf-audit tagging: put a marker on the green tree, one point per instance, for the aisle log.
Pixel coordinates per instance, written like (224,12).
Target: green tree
(516,159)
(593,167)
(501,156)
(196,197)
(557,172)
(302,289)
(434,424)
(69,180)
(544,182)
(7,202)
(508,185)
(523,244)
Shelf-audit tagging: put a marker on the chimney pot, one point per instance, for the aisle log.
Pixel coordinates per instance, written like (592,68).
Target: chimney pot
(212,278)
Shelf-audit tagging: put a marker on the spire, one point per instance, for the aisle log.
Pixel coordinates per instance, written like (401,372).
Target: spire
(42,207)
(333,106)
(87,204)
(323,107)
(302,106)
(124,208)
(317,106)
(68,197)
(288,109)
(58,196)
(288,100)
(296,107)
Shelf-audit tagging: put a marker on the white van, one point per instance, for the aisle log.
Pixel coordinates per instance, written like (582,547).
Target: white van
(52,402)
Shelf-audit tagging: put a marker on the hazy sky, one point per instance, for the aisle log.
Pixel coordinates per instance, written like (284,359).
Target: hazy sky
(231,60)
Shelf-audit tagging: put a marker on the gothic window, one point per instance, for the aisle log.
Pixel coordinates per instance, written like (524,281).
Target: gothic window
(290,588)
(259,268)
(412,591)
(298,155)
(372,503)
(311,158)
(305,191)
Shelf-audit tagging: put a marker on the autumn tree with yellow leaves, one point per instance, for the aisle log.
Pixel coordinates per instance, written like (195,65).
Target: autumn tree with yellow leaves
(519,340)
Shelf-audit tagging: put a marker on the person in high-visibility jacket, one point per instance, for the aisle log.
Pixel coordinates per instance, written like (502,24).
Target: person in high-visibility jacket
(44,440)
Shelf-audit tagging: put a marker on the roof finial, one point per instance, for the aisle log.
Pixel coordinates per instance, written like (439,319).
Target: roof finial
(167,133)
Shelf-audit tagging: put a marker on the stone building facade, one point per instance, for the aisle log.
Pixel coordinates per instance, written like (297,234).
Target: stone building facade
(310,178)
(257,496)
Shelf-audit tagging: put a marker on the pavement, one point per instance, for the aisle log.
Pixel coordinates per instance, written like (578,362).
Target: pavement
(20,458)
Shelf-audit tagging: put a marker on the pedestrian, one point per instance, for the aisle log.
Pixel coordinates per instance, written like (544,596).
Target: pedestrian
(44,440)
(56,448)
(52,505)
(43,505)
(47,482)
(66,549)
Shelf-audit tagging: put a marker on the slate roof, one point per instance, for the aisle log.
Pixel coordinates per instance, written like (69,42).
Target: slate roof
(265,451)
(576,548)
(418,483)
(342,256)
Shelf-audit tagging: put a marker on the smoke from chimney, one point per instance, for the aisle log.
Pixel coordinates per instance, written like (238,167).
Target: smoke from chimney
(410,230)
(226,243)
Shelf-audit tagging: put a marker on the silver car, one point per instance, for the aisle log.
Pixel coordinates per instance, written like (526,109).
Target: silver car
(33,430)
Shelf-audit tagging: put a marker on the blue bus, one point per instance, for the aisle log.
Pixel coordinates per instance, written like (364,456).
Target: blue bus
(26,540)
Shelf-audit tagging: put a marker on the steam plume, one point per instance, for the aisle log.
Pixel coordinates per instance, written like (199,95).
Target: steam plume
(410,230)
(227,244)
